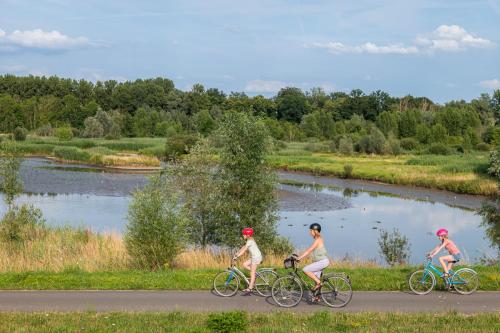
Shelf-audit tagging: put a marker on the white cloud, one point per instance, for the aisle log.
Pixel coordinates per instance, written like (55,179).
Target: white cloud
(262,86)
(490,84)
(39,39)
(372,48)
(446,38)
(451,38)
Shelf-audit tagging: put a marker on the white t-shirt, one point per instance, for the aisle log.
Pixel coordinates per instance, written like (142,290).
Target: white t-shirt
(253,249)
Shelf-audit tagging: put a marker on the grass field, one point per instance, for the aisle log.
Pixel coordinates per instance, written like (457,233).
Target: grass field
(250,322)
(460,173)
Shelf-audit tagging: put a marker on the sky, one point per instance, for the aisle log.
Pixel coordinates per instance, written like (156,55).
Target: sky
(440,49)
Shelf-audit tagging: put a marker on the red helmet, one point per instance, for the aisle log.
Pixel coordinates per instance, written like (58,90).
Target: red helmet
(442,232)
(247,232)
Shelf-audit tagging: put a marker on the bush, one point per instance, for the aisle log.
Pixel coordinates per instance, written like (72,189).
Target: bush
(179,144)
(409,144)
(439,149)
(45,130)
(21,223)
(63,133)
(374,143)
(393,147)
(227,322)
(348,171)
(71,153)
(20,133)
(93,128)
(394,247)
(156,230)
(346,146)
(482,146)
(494,168)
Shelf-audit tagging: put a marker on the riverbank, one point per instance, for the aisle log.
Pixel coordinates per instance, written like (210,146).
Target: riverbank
(249,322)
(458,173)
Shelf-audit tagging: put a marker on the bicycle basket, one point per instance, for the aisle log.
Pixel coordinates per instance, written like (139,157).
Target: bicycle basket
(289,262)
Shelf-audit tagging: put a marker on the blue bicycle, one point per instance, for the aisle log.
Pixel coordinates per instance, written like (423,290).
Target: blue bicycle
(464,280)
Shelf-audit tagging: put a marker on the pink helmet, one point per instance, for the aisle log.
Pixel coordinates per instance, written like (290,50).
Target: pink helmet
(442,232)
(247,232)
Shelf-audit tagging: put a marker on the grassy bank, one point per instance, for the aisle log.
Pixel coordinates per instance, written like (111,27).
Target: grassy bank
(129,152)
(253,322)
(201,279)
(65,258)
(458,173)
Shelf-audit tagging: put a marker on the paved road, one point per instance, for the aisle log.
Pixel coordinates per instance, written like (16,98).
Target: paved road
(41,301)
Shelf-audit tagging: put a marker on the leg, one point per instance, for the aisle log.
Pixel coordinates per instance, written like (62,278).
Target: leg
(247,264)
(444,260)
(253,269)
(312,271)
(313,276)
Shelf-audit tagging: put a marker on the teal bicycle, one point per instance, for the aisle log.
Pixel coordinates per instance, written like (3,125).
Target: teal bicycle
(465,280)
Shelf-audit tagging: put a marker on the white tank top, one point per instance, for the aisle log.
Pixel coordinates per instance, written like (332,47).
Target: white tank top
(253,249)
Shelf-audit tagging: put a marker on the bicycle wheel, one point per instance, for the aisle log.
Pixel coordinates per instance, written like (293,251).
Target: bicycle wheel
(465,281)
(422,281)
(264,282)
(287,291)
(226,283)
(336,291)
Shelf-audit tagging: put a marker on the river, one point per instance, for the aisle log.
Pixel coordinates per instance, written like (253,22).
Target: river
(352,212)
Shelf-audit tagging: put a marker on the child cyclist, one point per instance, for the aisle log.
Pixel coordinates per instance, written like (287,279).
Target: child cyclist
(255,258)
(453,256)
(319,256)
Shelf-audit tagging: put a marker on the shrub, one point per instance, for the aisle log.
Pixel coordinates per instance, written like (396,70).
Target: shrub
(348,171)
(394,247)
(21,223)
(409,144)
(114,132)
(439,149)
(374,143)
(156,228)
(179,144)
(227,322)
(494,168)
(93,128)
(45,130)
(482,146)
(71,153)
(393,146)
(346,146)
(63,133)
(20,133)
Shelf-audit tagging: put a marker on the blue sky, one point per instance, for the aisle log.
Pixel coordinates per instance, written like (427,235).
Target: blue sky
(441,49)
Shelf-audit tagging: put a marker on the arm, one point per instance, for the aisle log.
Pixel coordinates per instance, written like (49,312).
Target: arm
(309,250)
(241,251)
(437,249)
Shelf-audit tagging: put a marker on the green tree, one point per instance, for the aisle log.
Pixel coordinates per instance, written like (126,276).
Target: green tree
(246,182)
(194,177)
(291,104)
(93,128)
(156,229)
(438,133)
(408,121)
(205,124)
(387,122)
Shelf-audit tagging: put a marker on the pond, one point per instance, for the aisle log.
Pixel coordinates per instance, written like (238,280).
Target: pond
(351,212)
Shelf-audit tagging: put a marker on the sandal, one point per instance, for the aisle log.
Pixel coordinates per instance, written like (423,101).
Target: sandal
(247,292)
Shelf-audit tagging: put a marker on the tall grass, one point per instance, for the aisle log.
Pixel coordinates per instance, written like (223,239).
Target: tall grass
(63,248)
(71,154)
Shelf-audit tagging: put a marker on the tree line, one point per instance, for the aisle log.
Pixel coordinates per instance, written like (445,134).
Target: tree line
(367,122)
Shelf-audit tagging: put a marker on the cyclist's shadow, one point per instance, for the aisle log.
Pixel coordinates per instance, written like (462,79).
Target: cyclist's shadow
(269,300)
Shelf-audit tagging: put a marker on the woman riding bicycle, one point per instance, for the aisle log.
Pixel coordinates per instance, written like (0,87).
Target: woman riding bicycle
(319,256)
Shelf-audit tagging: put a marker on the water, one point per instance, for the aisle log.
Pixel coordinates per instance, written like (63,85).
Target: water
(351,218)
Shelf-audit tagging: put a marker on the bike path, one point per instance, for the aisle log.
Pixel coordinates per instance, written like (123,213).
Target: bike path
(102,301)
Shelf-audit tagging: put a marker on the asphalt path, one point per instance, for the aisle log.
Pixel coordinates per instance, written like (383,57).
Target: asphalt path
(102,301)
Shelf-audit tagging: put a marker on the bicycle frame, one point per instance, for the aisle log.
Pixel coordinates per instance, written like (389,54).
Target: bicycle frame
(235,270)
(430,267)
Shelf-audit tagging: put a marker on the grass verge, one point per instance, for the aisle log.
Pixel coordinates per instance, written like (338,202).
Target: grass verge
(369,279)
(251,322)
